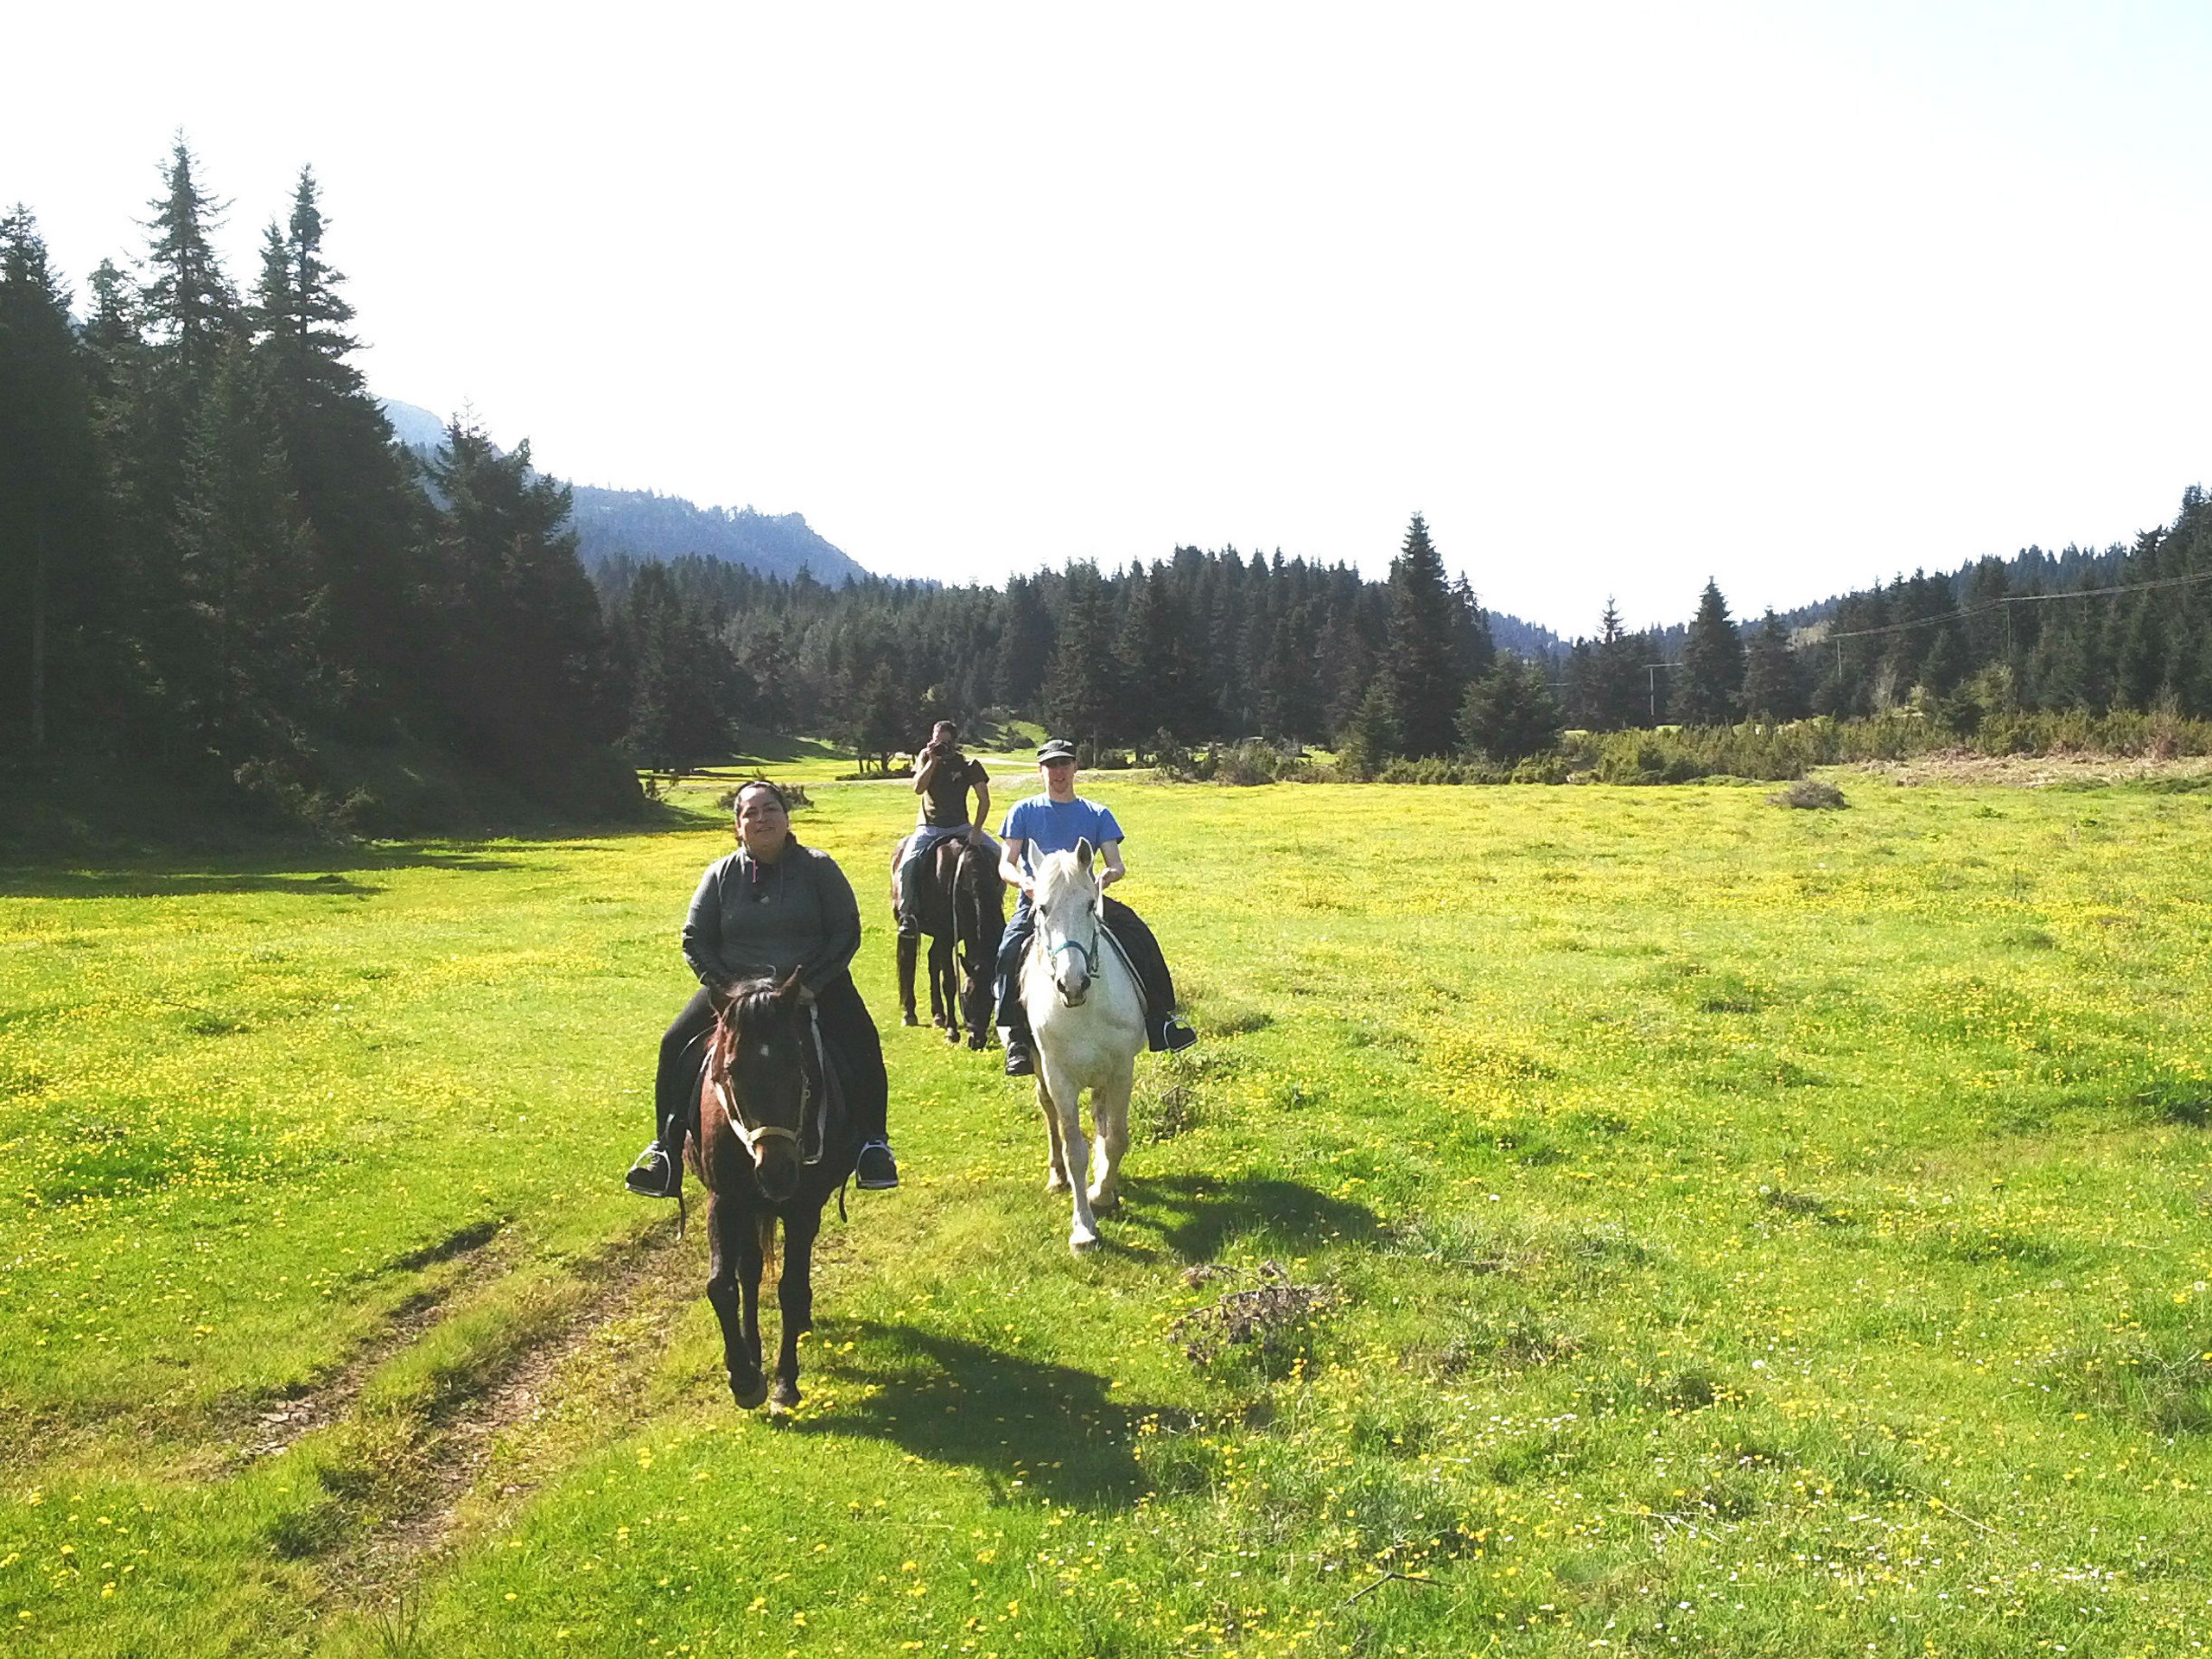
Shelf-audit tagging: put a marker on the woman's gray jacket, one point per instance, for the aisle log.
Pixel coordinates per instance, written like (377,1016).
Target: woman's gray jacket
(749,918)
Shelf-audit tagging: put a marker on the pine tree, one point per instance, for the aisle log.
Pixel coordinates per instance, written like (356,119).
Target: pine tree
(1421,661)
(251,665)
(1162,688)
(1773,686)
(1478,652)
(1083,691)
(51,591)
(1511,714)
(1372,735)
(525,668)
(1616,688)
(1712,666)
(353,494)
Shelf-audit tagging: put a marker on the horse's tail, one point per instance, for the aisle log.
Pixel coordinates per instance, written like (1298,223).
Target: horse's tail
(771,1267)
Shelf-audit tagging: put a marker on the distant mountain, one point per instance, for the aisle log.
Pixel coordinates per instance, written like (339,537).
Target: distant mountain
(640,524)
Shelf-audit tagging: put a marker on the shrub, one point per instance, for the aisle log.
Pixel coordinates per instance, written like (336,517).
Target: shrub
(1809,793)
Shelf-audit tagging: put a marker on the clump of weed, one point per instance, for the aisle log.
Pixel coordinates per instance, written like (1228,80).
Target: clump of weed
(1270,1318)
(1811,793)
(1166,1106)
(1511,1340)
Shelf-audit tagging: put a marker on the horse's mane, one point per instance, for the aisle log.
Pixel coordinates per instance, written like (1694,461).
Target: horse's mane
(1054,871)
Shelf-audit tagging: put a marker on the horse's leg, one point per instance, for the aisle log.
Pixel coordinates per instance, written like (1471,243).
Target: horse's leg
(1056,1160)
(1074,1151)
(1110,1117)
(945,985)
(795,1298)
(733,1287)
(910,946)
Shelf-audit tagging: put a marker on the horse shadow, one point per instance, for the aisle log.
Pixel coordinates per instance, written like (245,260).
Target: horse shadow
(1031,1428)
(1195,1215)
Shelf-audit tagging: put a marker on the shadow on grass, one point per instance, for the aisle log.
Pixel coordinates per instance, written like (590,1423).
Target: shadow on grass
(337,875)
(1195,1215)
(1032,1427)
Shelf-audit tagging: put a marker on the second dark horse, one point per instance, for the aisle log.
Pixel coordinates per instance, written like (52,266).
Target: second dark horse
(771,1147)
(963,911)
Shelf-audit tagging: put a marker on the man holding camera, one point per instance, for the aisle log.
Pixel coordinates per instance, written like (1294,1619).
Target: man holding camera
(942,777)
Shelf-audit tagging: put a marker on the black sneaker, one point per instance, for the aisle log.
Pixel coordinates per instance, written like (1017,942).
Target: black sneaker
(876,1171)
(1177,1034)
(1018,1063)
(653,1175)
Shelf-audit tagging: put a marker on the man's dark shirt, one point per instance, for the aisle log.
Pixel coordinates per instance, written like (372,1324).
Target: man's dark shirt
(944,802)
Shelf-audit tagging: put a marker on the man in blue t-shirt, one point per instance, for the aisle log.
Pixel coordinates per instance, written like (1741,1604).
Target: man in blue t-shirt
(1053,823)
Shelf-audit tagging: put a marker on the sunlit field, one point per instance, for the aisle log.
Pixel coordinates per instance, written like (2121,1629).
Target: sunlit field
(1596,1220)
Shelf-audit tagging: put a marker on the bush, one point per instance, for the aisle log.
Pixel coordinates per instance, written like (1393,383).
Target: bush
(1809,792)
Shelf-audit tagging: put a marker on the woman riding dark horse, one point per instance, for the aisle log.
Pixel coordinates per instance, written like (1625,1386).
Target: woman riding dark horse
(772,908)
(771,1148)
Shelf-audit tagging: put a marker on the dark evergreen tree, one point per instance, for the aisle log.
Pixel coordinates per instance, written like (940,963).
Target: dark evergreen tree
(1773,684)
(1082,687)
(1163,689)
(252,670)
(1421,659)
(1478,652)
(1612,681)
(1712,666)
(52,586)
(1511,714)
(354,496)
(525,659)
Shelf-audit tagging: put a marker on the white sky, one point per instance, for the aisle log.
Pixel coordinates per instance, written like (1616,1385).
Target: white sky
(1619,295)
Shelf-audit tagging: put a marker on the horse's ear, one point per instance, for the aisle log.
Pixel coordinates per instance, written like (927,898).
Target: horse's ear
(787,993)
(1083,854)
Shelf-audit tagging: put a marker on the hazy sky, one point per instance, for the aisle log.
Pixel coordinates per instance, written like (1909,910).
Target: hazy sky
(1620,296)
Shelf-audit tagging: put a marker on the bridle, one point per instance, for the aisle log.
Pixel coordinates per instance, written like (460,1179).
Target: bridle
(813,1100)
(1087,952)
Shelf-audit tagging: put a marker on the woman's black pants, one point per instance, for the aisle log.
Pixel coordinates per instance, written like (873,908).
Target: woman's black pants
(847,1032)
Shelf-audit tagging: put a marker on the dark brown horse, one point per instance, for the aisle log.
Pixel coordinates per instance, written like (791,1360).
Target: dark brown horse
(963,911)
(771,1147)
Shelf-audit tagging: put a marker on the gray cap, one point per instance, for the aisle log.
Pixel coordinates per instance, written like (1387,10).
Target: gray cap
(1059,749)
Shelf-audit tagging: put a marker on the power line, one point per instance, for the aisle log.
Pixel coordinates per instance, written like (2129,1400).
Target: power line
(2019,599)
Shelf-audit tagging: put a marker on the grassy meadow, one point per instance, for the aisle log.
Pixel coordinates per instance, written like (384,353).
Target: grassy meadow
(1598,1220)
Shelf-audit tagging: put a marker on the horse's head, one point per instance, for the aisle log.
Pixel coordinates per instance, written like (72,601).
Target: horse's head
(1066,904)
(773,1072)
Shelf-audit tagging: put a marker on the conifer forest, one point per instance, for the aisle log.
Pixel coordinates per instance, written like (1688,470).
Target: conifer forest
(217,562)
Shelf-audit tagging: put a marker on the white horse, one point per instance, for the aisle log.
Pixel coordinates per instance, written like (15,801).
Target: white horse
(1086,1010)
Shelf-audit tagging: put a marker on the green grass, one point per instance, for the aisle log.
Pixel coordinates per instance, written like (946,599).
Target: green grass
(1735,1231)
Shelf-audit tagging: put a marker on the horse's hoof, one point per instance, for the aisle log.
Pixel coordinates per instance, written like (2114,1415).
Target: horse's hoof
(748,1395)
(1082,1243)
(1056,1182)
(783,1397)
(952,1036)
(907,1018)
(1106,1201)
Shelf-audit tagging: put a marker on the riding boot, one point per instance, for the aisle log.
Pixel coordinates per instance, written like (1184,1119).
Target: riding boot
(1020,1061)
(659,1171)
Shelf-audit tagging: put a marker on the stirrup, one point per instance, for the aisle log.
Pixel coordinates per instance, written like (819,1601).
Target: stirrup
(879,1174)
(655,1175)
(1177,1035)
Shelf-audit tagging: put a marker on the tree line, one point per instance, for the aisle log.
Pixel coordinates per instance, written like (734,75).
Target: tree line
(214,558)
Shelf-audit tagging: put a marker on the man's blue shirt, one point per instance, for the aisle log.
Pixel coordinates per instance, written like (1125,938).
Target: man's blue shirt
(1045,825)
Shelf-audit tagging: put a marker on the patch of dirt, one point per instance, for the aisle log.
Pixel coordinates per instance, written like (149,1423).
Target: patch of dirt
(644,1291)
(278,1425)
(2030,771)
